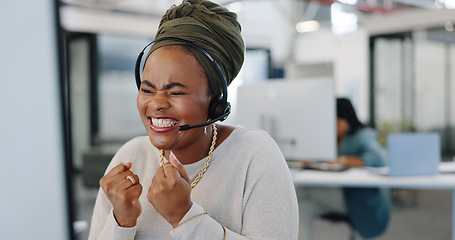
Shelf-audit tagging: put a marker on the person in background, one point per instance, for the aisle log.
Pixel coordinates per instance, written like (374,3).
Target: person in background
(211,182)
(357,144)
(367,209)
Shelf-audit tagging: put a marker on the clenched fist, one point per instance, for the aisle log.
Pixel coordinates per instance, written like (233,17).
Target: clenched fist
(170,191)
(123,190)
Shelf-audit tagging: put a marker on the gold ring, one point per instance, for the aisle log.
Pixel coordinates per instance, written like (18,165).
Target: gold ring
(131,178)
(166,165)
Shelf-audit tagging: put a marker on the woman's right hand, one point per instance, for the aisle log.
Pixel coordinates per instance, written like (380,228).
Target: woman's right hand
(123,194)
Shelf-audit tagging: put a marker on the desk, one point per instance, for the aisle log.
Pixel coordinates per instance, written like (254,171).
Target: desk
(358,177)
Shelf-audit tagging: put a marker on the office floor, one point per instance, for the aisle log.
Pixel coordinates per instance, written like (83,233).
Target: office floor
(416,214)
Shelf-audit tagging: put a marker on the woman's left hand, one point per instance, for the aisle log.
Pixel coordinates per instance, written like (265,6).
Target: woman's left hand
(170,191)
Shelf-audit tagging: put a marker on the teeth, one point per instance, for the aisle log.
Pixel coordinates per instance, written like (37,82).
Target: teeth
(163,122)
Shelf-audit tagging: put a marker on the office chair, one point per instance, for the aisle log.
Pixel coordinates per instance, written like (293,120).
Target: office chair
(335,217)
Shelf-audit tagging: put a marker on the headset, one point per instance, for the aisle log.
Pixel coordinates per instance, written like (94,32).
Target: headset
(219,108)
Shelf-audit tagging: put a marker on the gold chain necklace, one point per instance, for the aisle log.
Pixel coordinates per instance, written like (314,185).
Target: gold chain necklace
(206,164)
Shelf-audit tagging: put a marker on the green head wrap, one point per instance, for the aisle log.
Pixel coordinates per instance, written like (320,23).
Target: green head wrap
(210,27)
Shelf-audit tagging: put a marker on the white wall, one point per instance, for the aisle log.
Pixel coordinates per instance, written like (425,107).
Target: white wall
(349,56)
(33,201)
(269,24)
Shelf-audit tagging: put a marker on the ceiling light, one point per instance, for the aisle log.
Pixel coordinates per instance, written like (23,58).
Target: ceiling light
(342,21)
(449,4)
(307,26)
(350,2)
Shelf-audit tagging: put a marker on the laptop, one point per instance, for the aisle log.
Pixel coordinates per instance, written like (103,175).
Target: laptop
(412,154)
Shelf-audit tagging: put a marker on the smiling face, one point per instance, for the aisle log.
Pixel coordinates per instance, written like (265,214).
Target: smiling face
(174,91)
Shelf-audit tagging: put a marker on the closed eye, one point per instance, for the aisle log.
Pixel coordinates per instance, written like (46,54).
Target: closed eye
(147,90)
(176,93)
(146,87)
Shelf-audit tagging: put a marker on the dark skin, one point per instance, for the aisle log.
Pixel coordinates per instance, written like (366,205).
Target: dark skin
(174,91)
(123,195)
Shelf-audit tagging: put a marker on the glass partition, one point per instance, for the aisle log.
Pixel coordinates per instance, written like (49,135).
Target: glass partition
(413,84)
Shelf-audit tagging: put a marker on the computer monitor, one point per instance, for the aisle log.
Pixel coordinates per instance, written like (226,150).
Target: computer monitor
(299,115)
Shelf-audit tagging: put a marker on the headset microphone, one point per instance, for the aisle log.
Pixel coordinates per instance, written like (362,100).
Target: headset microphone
(188,127)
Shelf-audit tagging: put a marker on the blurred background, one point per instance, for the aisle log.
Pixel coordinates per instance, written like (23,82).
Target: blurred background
(394,59)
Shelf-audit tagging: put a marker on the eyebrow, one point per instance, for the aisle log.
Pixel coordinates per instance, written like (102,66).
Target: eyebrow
(167,86)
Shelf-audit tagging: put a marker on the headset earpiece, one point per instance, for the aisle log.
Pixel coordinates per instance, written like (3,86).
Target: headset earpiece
(137,69)
(219,107)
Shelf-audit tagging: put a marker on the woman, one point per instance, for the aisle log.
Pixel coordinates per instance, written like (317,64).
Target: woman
(357,144)
(368,209)
(214,182)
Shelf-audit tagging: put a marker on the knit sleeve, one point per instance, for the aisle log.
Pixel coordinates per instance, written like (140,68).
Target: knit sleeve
(196,224)
(104,225)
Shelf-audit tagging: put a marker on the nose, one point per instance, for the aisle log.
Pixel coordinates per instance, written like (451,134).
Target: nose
(159,102)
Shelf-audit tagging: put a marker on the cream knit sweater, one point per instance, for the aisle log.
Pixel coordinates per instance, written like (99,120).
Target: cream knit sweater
(247,189)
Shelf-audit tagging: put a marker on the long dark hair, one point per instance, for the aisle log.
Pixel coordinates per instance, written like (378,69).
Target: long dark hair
(345,110)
